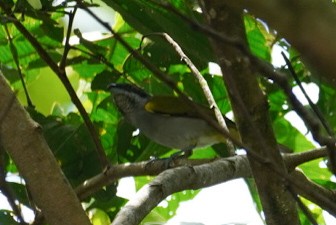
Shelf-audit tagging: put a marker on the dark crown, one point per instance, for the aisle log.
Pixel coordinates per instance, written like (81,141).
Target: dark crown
(128,97)
(114,87)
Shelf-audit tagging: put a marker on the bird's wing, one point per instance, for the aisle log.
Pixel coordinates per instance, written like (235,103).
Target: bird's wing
(175,106)
(170,105)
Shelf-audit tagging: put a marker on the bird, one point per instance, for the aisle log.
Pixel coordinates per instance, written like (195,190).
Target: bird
(167,120)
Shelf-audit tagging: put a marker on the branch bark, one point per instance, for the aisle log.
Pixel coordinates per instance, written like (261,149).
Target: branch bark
(178,179)
(152,168)
(22,138)
(200,176)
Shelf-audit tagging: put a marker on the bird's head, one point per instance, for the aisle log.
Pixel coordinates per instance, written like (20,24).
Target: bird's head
(128,97)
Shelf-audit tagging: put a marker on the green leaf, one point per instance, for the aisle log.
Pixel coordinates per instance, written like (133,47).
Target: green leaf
(99,217)
(136,69)
(289,136)
(53,31)
(314,210)
(148,18)
(123,140)
(102,79)
(87,70)
(154,51)
(71,144)
(256,33)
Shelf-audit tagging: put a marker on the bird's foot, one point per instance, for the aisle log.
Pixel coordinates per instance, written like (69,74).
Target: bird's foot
(172,160)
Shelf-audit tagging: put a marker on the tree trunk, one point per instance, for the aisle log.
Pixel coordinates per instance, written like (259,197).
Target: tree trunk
(250,109)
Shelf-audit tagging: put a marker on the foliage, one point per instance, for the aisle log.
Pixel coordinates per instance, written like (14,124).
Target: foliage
(91,65)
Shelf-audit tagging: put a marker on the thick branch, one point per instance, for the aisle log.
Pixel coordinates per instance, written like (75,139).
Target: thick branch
(152,168)
(116,172)
(310,189)
(179,179)
(196,177)
(23,140)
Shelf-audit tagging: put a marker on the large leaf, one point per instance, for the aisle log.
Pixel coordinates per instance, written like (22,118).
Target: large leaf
(258,38)
(71,144)
(149,18)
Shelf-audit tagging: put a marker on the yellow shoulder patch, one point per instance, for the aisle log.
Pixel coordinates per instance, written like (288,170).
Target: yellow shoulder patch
(168,105)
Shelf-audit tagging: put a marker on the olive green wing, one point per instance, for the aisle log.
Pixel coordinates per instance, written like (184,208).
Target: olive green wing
(175,106)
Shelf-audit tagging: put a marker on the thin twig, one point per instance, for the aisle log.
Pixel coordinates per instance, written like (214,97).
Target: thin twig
(312,124)
(67,46)
(201,80)
(235,42)
(316,132)
(303,207)
(315,109)
(96,56)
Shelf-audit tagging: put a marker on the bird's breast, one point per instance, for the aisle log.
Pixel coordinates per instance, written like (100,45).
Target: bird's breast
(175,132)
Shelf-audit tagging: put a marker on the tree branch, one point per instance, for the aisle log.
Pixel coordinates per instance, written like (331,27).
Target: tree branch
(319,195)
(175,180)
(303,207)
(23,140)
(200,176)
(116,172)
(295,159)
(152,168)
(67,46)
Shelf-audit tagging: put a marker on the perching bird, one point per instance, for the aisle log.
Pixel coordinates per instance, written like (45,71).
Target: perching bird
(167,120)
